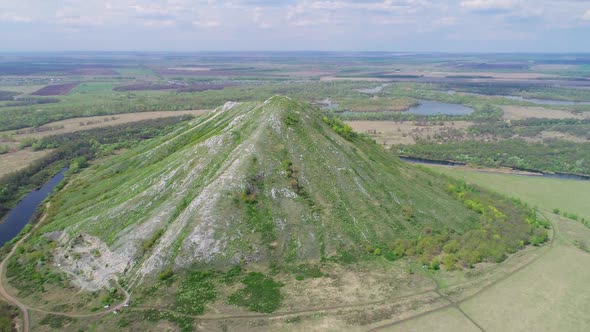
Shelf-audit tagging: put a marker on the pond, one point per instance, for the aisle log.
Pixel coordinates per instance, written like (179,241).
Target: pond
(21,214)
(427,107)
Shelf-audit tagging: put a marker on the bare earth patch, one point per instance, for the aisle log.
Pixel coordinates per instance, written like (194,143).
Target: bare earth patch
(353,79)
(89,261)
(14,161)
(91,122)
(556,135)
(450,319)
(519,113)
(495,75)
(388,133)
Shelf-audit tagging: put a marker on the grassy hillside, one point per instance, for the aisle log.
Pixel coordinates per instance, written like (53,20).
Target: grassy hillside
(255,188)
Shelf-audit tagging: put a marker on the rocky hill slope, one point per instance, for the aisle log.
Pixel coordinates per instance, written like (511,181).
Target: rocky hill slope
(254,182)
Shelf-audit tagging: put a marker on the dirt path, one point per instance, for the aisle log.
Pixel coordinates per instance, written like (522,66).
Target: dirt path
(25,308)
(456,304)
(310,310)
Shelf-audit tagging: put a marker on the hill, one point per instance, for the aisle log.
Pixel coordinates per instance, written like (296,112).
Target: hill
(257,186)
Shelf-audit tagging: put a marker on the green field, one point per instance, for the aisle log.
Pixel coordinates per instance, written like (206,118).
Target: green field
(569,196)
(548,294)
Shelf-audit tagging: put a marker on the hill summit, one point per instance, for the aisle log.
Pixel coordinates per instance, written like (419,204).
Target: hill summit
(250,182)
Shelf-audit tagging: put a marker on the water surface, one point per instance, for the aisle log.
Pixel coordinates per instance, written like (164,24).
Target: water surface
(427,107)
(20,215)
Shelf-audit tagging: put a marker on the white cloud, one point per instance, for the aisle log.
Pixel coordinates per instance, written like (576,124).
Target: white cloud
(207,24)
(159,23)
(15,18)
(445,21)
(485,5)
(347,24)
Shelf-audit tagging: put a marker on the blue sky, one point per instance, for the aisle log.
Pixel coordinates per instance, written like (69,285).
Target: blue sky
(330,25)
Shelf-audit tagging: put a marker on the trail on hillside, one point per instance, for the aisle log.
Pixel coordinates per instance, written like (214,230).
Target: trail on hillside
(24,308)
(309,310)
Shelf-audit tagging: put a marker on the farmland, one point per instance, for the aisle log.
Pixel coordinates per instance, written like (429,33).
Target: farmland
(286,213)
(549,291)
(546,193)
(55,90)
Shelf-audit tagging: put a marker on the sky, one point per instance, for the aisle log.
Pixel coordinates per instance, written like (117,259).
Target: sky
(296,25)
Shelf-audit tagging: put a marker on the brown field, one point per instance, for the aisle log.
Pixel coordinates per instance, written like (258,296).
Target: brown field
(13,161)
(554,67)
(191,68)
(26,89)
(85,123)
(556,135)
(389,133)
(94,72)
(16,160)
(494,75)
(307,73)
(192,72)
(353,79)
(520,112)
(56,90)
(172,86)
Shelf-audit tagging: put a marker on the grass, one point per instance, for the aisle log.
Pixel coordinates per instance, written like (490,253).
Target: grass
(194,292)
(55,321)
(568,196)
(261,293)
(313,187)
(552,293)
(93,88)
(450,320)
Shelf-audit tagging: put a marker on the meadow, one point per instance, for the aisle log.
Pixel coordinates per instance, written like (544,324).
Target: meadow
(569,196)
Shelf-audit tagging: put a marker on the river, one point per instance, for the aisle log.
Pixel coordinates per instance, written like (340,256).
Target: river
(21,214)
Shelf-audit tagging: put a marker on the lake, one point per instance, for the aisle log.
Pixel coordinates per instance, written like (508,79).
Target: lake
(427,107)
(21,214)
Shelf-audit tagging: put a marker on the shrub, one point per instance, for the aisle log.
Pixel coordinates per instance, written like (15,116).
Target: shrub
(195,292)
(434,264)
(450,262)
(261,293)
(166,275)
(341,128)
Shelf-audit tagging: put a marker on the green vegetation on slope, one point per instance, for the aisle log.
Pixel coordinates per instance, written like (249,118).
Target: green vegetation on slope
(276,183)
(74,150)
(261,293)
